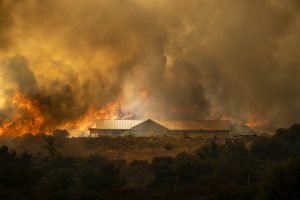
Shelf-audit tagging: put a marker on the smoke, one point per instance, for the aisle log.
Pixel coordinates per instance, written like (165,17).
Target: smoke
(6,21)
(182,60)
(14,77)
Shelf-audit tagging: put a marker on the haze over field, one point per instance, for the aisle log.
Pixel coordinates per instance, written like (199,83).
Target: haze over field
(64,63)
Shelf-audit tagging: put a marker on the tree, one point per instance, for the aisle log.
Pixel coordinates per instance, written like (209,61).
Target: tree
(50,145)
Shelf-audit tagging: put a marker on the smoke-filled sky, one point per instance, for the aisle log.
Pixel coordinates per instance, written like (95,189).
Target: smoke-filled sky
(166,59)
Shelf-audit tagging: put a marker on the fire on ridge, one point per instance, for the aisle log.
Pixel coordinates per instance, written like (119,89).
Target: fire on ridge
(28,117)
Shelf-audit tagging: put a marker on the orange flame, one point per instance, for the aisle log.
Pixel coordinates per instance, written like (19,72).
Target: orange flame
(26,117)
(111,111)
(255,122)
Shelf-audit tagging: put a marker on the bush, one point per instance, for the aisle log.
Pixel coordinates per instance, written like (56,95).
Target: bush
(283,181)
(168,147)
(162,171)
(269,169)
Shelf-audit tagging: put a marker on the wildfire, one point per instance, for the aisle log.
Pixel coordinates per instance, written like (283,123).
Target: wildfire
(257,123)
(112,110)
(26,117)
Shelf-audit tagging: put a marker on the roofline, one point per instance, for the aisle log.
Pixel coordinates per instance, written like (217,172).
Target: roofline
(203,130)
(109,129)
(166,119)
(161,123)
(149,120)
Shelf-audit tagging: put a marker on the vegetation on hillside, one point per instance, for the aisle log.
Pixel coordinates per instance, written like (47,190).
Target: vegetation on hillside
(268,169)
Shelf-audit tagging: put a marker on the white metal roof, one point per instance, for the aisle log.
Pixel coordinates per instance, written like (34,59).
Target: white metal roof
(169,124)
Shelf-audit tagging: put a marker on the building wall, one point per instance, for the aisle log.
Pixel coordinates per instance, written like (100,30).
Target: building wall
(199,133)
(149,128)
(100,132)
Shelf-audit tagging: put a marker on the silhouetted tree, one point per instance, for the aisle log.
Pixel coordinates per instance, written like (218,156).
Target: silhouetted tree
(50,145)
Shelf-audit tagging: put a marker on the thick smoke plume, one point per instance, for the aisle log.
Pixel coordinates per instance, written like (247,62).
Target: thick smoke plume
(160,59)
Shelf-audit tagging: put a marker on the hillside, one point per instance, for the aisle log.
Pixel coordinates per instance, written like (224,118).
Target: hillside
(127,148)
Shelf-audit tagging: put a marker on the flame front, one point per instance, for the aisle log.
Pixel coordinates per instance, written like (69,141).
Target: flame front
(113,110)
(255,122)
(26,117)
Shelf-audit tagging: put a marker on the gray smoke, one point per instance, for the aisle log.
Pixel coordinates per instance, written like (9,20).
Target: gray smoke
(14,76)
(190,59)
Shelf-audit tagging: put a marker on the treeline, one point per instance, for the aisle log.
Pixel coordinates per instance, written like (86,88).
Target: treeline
(267,169)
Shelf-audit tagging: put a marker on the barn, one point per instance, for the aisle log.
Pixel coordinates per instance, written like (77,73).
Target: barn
(151,127)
